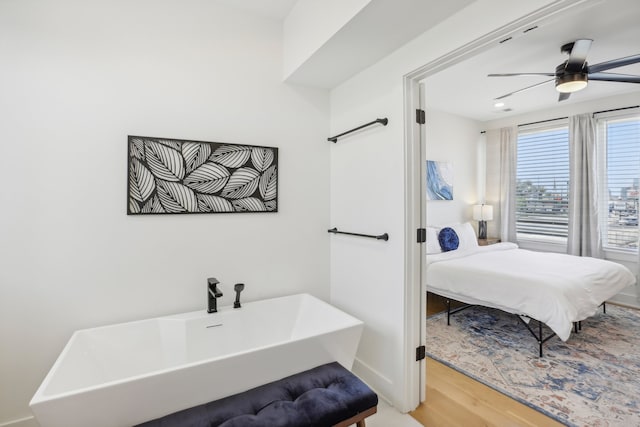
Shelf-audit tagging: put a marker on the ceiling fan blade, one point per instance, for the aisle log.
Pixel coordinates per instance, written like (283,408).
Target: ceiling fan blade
(526,88)
(521,74)
(612,77)
(563,96)
(614,63)
(578,55)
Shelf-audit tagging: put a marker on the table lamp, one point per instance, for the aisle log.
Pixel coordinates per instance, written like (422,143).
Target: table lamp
(482,214)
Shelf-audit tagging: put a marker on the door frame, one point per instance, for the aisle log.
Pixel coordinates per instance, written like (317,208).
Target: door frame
(415,150)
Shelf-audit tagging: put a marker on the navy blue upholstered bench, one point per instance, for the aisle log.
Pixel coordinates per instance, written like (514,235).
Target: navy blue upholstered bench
(328,395)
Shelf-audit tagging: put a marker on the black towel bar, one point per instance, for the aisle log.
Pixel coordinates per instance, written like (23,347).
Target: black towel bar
(384,236)
(383,122)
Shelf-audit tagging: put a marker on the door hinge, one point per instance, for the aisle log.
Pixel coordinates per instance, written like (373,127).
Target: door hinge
(420,117)
(420,353)
(422,235)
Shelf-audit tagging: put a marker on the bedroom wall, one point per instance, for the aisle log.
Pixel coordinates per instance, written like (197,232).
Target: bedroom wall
(630,295)
(367,176)
(454,139)
(76,78)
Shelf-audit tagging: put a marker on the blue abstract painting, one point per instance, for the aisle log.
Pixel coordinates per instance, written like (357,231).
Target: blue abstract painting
(439,180)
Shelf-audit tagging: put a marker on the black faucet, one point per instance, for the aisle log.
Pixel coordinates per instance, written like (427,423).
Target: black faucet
(212,294)
(238,288)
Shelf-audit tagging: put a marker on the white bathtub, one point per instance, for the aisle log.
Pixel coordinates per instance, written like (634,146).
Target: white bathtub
(125,374)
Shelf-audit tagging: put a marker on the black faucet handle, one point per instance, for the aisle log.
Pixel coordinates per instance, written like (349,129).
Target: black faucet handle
(213,283)
(238,288)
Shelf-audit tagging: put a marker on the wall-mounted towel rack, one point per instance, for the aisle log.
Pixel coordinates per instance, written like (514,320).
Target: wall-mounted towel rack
(383,122)
(384,236)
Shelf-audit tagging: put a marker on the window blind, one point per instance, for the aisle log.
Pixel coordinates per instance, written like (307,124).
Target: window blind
(542,182)
(620,176)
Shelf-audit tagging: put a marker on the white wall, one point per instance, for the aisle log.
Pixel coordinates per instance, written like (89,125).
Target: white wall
(368,191)
(630,295)
(76,78)
(454,139)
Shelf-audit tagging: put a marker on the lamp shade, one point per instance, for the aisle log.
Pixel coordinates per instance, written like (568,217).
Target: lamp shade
(482,212)
(571,82)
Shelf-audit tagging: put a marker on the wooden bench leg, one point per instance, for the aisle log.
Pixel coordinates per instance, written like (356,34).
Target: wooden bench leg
(358,420)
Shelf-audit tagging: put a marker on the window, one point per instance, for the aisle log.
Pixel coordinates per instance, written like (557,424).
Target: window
(619,139)
(542,183)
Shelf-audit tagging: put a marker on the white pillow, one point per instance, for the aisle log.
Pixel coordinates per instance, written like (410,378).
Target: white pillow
(466,235)
(433,245)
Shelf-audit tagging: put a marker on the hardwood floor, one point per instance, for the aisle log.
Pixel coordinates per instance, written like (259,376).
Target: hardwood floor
(454,399)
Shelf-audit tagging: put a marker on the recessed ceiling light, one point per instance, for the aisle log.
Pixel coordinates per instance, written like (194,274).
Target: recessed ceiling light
(498,104)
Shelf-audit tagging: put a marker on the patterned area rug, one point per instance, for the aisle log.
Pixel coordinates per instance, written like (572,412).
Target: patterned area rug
(591,380)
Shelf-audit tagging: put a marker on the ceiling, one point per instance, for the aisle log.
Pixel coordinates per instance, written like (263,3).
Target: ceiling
(464,89)
(277,9)
(381,27)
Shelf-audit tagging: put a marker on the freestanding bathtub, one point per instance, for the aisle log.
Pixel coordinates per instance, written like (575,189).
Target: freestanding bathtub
(121,375)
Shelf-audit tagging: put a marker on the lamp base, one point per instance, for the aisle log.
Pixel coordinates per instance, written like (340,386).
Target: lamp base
(482,229)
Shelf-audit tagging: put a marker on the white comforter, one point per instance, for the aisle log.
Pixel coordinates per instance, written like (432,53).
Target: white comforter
(554,288)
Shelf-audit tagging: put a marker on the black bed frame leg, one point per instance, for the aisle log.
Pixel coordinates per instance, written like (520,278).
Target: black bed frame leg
(604,307)
(448,312)
(540,336)
(575,327)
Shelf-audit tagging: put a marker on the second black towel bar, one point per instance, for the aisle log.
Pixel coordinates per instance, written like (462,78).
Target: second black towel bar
(384,236)
(383,122)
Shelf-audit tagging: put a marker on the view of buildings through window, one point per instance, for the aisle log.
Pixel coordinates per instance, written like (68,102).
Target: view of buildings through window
(542,189)
(622,137)
(542,184)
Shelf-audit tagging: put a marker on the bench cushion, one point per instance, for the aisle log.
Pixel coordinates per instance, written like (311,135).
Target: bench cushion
(322,396)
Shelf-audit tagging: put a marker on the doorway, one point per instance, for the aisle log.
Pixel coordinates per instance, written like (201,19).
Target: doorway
(415,95)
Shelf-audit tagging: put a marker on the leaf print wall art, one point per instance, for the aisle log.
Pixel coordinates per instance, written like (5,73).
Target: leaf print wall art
(173,176)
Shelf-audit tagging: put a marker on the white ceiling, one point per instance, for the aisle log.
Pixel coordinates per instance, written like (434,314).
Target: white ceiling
(382,27)
(277,9)
(464,89)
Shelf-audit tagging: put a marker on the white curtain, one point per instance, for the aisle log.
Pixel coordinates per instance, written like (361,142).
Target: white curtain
(508,158)
(584,234)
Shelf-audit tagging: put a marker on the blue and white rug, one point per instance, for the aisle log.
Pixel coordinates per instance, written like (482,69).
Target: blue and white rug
(591,380)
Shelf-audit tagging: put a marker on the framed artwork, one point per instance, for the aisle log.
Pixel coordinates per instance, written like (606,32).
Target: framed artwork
(174,176)
(439,180)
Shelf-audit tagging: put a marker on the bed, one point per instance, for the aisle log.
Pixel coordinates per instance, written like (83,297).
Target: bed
(555,289)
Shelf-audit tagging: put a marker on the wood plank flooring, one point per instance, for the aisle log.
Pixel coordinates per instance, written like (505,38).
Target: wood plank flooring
(455,400)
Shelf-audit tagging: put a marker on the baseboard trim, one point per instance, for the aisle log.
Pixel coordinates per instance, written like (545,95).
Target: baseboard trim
(374,379)
(628,301)
(22,422)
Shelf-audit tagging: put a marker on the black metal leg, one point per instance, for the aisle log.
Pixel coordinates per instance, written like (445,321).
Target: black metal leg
(575,327)
(604,307)
(540,336)
(448,312)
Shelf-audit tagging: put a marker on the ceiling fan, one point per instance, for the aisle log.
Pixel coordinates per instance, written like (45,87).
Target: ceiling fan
(574,74)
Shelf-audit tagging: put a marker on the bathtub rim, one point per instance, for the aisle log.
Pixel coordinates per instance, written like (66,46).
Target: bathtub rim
(40,396)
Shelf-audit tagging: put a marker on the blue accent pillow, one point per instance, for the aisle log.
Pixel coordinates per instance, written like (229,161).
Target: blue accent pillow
(448,239)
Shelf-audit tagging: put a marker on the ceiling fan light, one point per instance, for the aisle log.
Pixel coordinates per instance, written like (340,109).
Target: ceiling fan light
(569,83)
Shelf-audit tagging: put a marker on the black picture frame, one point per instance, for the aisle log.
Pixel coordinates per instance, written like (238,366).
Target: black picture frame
(176,176)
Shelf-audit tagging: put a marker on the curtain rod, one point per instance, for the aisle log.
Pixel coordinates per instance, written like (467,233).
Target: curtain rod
(543,121)
(616,109)
(562,118)
(594,113)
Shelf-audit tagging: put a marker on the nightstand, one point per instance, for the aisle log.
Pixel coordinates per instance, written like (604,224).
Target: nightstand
(488,241)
